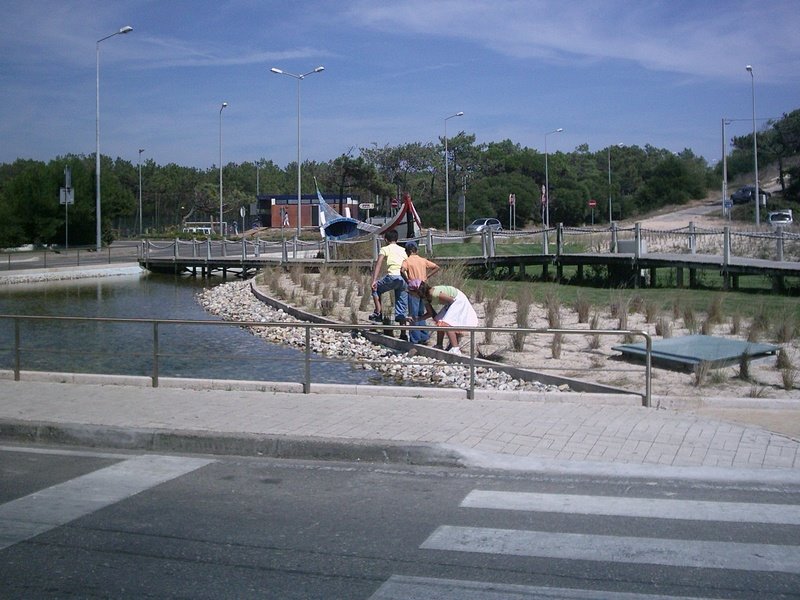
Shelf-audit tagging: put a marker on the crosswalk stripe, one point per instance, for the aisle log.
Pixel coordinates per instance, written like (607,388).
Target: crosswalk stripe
(651,508)
(57,505)
(656,551)
(400,587)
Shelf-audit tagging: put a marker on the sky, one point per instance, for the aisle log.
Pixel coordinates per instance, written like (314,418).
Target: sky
(608,72)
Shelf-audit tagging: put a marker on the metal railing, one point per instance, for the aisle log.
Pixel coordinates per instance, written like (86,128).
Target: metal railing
(49,258)
(471,360)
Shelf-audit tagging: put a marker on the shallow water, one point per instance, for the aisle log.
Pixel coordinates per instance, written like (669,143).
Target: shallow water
(214,352)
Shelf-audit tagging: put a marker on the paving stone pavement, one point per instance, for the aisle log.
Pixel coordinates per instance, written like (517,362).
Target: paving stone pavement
(346,423)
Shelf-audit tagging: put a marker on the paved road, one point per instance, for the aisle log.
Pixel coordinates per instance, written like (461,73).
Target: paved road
(96,524)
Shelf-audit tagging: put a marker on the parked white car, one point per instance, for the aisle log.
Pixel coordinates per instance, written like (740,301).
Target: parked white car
(780,218)
(485,224)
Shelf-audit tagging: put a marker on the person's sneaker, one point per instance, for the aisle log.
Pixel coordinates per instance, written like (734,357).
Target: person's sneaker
(375,317)
(455,350)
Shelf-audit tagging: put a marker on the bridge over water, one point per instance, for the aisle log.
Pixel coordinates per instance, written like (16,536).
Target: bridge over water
(632,255)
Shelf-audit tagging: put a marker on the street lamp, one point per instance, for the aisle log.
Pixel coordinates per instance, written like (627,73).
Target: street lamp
(224,104)
(140,190)
(122,30)
(610,216)
(725,210)
(547,178)
(755,142)
(299,78)
(447,173)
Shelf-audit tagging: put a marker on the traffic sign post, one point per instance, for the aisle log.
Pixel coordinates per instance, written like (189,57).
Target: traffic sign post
(592,204)
(367,206)
(66,197)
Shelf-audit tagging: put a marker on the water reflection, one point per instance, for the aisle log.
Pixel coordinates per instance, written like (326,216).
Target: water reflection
(216,352)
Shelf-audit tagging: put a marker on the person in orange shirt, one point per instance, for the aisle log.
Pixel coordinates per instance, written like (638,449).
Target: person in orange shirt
(418,269)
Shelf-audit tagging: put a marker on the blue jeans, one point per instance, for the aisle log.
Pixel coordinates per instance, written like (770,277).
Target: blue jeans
(398,284)
(416,308)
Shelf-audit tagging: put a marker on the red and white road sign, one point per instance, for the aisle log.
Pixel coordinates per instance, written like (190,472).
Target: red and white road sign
(592,203)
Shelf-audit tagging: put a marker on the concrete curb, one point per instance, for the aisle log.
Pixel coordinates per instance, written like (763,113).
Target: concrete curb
(237,444)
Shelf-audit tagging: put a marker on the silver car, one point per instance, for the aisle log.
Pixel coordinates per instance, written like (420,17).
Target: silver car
(486,224)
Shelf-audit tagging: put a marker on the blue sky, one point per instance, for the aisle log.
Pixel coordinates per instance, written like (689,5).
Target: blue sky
(607,72)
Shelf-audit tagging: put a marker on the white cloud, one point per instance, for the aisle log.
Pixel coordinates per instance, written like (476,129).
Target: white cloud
(704,39)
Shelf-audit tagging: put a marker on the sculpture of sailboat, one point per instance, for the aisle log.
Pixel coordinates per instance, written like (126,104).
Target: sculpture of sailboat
(337,227)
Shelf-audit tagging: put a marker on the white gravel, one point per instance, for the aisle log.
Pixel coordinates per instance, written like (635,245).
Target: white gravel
(235,302)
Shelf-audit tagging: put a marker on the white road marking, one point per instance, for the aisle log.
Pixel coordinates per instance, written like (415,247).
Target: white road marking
(629,550)
(57,505)
(400,587)
(651,508)
(65,452)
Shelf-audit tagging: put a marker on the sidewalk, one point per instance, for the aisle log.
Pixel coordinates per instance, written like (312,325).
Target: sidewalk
(570,433)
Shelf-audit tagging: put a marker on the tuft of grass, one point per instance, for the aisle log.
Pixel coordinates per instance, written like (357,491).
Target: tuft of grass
(553,305)
(664,327)
(650,311)
(524,301)
(594,341)
(676,308)
(582,306)
(761,318)
(785,329)
(714,315)
(789,378)
(489,314)
(689,319)
(754,333)
(736,324)
(555,345)
(296,274)
(701,372)
(782,361)
(744,367)
(636,304)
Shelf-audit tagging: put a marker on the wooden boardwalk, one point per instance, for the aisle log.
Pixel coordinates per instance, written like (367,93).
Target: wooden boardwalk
(625,269)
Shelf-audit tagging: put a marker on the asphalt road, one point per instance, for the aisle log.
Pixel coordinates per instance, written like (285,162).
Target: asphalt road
(93,524)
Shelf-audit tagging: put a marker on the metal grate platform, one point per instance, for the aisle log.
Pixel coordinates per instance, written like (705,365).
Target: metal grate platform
(686,352)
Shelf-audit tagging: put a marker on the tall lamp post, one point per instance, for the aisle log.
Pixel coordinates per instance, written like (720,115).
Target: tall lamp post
(122,30)
(221,108)
(755,142)
(547,178)
(610,216)
(140,190)
(447,173)
(299,78)
(725,210)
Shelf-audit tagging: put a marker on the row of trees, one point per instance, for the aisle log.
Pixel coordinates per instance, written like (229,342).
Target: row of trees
(642,179)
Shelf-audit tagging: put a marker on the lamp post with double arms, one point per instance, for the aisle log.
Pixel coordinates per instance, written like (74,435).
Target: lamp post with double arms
(299,78)
(140,190)
(221,108)
(122,30)
(547,178)
(610,215)
(755,142)
(447,173)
